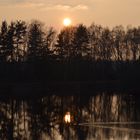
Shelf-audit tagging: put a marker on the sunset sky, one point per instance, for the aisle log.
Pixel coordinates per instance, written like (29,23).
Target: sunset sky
(52,12)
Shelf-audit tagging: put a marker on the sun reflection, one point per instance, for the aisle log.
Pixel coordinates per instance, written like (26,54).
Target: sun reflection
(67,117)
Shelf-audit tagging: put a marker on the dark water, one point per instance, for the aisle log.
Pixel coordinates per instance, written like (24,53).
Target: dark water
(102,116)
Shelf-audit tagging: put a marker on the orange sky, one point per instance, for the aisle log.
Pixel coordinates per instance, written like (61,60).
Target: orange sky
(52,12)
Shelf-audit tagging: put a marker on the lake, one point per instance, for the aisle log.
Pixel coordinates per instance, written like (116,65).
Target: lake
(101,116)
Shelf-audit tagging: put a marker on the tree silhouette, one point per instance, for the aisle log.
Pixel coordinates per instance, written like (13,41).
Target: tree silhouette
(81,41)
(3,41)
(20,45)
(104,54)
(22,42)
(94,32)
(135,37)
(118,35)
(49,43)
(65,46)
(10,42)
(106,45)
(35,43)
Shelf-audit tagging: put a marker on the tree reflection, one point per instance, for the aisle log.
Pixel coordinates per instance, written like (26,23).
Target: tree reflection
(40,118)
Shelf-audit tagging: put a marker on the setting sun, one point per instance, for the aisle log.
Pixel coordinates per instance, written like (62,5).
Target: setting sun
(67,22)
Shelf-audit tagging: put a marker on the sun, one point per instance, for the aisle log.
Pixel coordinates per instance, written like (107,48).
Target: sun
(67,22)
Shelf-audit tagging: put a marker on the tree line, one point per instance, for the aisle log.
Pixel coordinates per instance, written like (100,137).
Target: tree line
(22,42)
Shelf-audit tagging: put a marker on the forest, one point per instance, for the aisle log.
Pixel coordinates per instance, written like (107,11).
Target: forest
(35,51)
(23,42)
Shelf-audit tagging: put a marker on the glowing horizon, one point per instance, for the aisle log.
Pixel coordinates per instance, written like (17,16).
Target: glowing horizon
(107,13)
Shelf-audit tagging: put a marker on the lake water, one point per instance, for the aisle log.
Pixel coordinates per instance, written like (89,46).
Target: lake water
(102,116)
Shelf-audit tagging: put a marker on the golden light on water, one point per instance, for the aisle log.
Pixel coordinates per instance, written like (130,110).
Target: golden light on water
(67,117)
(67,22)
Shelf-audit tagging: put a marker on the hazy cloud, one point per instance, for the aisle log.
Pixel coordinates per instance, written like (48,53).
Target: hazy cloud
(46,6)
(30,5)
(11,1)
(65,7)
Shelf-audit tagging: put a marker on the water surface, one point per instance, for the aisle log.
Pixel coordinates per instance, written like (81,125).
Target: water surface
(102,116)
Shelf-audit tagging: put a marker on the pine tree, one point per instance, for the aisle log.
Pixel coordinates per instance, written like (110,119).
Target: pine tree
(10,42)
(81,41)
(65,46)
(36,41)
(20,40)
(3,41)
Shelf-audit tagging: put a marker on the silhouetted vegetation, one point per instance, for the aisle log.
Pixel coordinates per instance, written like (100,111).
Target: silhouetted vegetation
(34,51)
(22,42)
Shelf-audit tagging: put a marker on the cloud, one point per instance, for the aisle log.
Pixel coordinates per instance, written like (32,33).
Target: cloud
(30,5)
(81,7)
(11,1)
(45,5)
(65,7)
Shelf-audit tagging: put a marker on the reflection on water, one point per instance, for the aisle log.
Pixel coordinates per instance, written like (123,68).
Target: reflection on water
(67,117)
(103,116)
